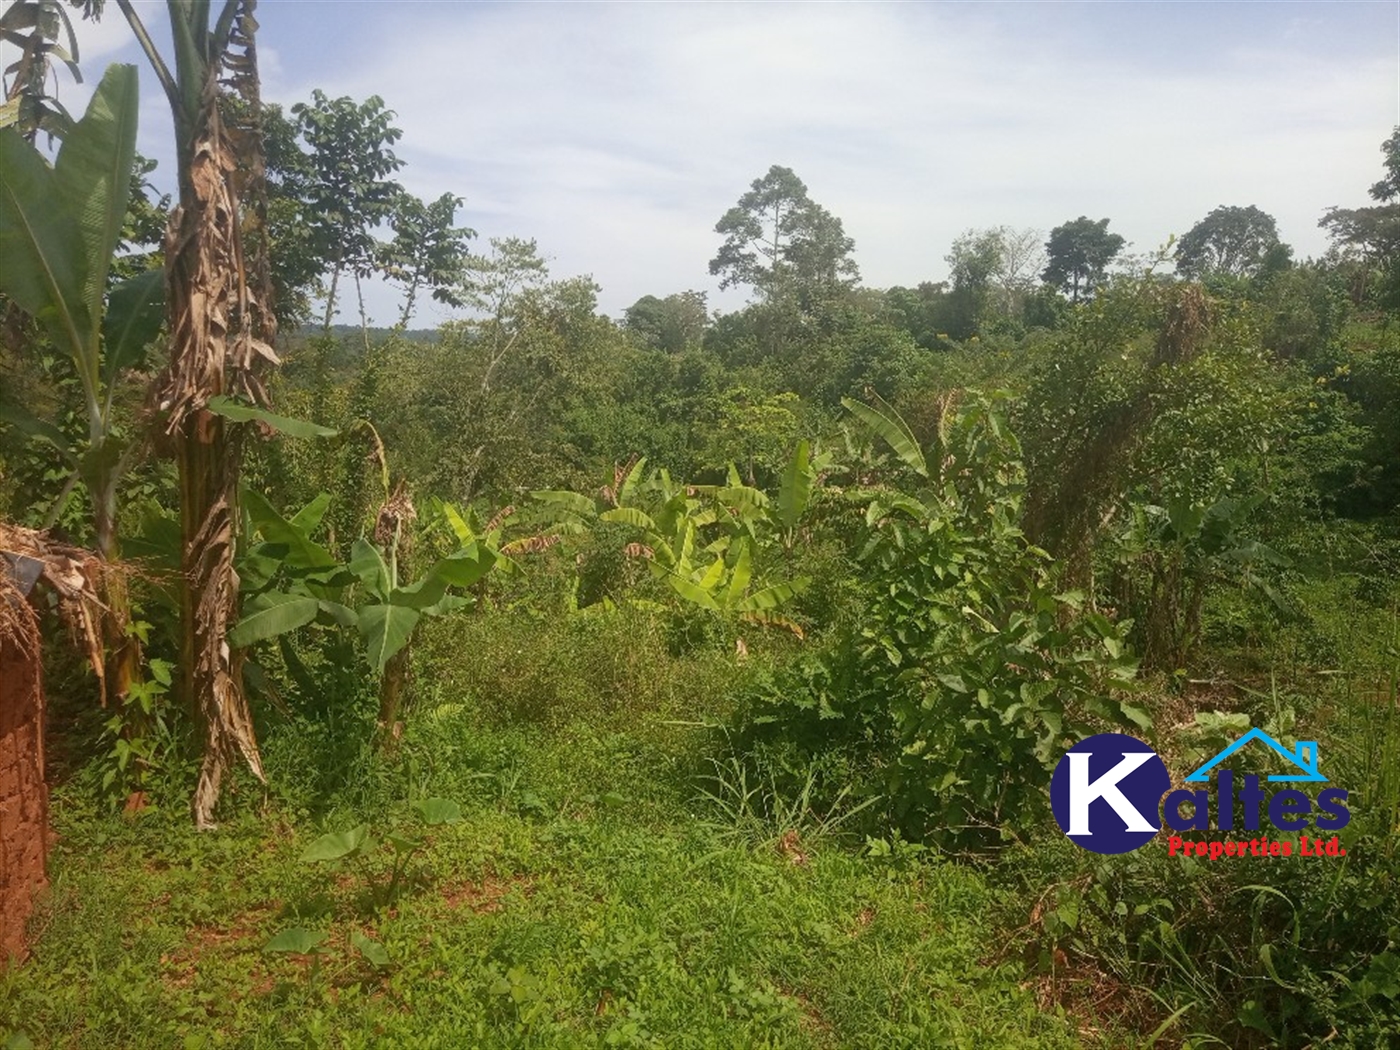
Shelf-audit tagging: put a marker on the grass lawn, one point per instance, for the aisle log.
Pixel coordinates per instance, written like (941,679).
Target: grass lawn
(588,897)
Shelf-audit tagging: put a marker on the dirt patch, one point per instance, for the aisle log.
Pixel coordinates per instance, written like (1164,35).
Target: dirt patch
(24,798)
(483,897)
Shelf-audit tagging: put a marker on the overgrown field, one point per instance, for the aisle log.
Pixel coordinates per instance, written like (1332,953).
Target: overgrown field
(605,886)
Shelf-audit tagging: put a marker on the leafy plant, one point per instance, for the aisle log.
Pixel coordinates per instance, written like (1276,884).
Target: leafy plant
(358,845)
(699,541)
(295,581)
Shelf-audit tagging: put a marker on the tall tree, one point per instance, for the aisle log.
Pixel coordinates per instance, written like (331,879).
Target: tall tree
(1078,254)
(346,190)
(427,252)
(973,262)
(1372,235)
(671,324)
(780,242)
(1231,240)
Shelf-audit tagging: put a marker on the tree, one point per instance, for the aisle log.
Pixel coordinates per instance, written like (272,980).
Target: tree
(671,324)
(346,191)
(1373,233)
(1388,188)
(1235,241)
(1079,252)
(973,261)
(781,242)
(427,250)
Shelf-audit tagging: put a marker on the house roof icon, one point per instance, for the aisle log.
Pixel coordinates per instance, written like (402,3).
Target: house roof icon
(1304,757)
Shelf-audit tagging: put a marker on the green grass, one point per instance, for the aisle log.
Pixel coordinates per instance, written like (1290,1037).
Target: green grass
(588,898)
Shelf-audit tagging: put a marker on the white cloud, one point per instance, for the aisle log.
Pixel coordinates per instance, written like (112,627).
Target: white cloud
(618,134)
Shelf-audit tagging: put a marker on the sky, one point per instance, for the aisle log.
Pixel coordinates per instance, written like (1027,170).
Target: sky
(617,134)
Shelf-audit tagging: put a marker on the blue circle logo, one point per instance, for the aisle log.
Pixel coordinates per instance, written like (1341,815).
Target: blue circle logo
(1107,792)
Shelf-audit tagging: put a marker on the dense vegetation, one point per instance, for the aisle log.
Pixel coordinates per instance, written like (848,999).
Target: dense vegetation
(690,678)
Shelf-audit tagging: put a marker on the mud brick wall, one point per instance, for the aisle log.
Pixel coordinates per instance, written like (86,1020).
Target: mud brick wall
(24,800)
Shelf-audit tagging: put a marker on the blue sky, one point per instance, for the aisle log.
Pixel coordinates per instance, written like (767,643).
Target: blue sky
(617,134)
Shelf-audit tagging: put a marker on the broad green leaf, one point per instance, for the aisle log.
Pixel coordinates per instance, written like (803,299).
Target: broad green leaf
(372,950)
(795,492)
(269,615)
(894,431)
(774,596)
(571,502)
(711,580)
(424,594)
(311,515)
(337,613)
(44,269)
(386,630)
(629,483)
(739,579)
(135,312)
(32,426)
(403,844)
(242,412)
(629,516)
(338,844)
(302,551)
(296,940)
(458,524)
(692,592)
(368,564)
(92,175)
(744,496)
(464,567)
(446,604)
(436,811)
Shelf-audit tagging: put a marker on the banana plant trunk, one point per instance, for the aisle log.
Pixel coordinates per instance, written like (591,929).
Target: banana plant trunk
(220,327)
(123,647)
(391,688)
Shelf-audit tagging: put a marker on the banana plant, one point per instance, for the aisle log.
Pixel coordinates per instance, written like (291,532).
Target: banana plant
(759,516)
(698,540)
(293,581)
(60,226)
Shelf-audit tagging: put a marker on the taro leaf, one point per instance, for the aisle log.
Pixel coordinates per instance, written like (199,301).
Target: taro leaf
(436,811)
(401,844)
(386,630)
(372,950)
(297,940)
(271,614)
(242,412)
(337,844)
